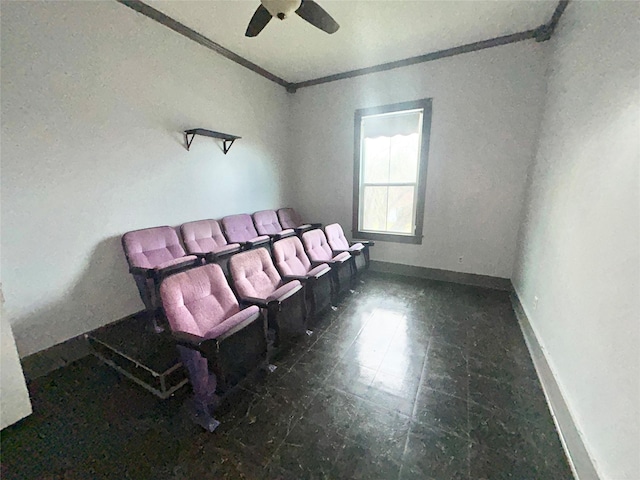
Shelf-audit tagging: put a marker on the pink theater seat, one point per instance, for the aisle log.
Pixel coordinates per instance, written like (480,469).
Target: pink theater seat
(204,238)
(319,251)
(293,264)
(266,223)
(257,282)
(289,218)
(152,255)
(339,243)
(240,229)
(213,334)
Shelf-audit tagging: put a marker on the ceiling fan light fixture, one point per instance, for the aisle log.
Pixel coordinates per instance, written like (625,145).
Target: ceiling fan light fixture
(281,8)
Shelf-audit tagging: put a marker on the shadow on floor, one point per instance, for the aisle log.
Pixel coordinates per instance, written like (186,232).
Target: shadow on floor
(410,379)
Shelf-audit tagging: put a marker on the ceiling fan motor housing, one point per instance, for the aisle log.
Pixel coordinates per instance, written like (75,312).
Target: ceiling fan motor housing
(281,8)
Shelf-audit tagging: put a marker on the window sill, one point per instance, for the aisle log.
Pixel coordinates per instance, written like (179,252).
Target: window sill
(388,237)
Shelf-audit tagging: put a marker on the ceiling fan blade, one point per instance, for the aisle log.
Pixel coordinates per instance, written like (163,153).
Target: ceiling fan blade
(317,16)
(259,20)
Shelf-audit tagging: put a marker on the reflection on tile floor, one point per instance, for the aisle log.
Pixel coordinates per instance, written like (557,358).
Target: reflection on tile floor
(408,379)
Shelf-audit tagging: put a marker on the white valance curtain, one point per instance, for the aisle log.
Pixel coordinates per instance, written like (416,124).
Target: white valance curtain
(390,125)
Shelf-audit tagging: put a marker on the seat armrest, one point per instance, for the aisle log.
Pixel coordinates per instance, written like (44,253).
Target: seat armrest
(338,252)
(316,225)
(301,230)
(322,273)
(212,257)
(244,245)
(333,263)
(289,294)
(301,278)
(207,346)
(187,339)
(366,243)
(258,242)
(145,272)
(239,326)
(161,273)
(260,302)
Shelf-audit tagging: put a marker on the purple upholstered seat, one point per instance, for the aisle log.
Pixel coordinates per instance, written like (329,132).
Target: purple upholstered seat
(339,243)
(240,229)
(257,281)
(292,263)
(212,332)
(266,222)
(289,218)
(153,254)
(205,236)
(319,251)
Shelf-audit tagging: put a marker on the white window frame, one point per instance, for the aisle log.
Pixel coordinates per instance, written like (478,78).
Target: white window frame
(419,187)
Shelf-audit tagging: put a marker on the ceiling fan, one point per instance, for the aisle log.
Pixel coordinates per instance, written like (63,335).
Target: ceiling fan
(307,9)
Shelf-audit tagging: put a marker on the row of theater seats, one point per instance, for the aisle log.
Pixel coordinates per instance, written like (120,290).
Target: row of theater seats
(229,328)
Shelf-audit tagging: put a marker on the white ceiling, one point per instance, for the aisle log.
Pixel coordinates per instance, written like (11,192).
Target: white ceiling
(371,31)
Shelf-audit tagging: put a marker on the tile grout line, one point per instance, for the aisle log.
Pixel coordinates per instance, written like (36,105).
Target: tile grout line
(415,402)
(467,354)
(323,383)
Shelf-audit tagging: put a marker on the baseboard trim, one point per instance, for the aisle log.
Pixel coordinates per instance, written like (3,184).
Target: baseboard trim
(579,459)
(486,281)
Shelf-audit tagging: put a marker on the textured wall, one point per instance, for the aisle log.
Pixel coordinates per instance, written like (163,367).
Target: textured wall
(486,114)
(578,264)
(94,99)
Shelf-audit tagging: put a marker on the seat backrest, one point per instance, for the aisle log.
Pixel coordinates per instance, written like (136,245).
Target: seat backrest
(197,300)
(239,228)
(289,218)
(254,274)
(290,257)
(151,246)
(335,237)
(202,236)
(316,246)
(266,222)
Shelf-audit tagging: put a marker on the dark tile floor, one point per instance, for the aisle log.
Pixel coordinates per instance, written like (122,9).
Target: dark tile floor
(409,379)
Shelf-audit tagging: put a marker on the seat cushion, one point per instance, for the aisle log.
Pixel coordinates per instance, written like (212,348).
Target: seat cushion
(203,236)
(335,237)
(150,247)
(197,300)
(316,246)
(254,274)
(232,321)
(284,289)
(290,257)
(266,222)
(176,261)
(239,228)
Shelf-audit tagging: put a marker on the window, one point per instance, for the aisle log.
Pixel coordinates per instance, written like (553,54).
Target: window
(391,149)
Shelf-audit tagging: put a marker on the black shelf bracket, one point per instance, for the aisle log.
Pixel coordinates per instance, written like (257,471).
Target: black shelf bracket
(227,140)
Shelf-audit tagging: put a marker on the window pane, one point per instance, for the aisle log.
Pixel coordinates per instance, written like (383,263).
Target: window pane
(400,210)
(374,209)
(376,160)
(404,154)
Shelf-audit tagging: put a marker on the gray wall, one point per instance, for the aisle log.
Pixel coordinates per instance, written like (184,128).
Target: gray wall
(577,273)
(486,113)
(94,99)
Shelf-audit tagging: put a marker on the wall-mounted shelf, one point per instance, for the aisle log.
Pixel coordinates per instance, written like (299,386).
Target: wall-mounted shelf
(227,140)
